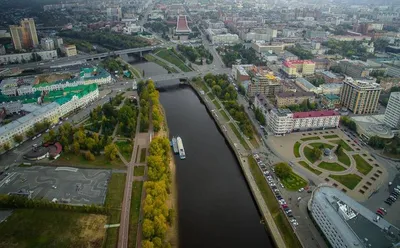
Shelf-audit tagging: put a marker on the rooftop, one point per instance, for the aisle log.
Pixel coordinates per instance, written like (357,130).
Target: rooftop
(363,84)
(331,97)
(353,221)
(281,111)
(329,74)
(290,94)
(322,113)
(305,83)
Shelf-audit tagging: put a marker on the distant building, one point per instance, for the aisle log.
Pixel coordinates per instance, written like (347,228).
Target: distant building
(392,113)
(269,47)
(224,39)
(69,50)
(322,64)
(47,44)
(239,72)
(355,68)
(330,77)
(264,84)
(114,14)
(316,34)
(294,68)
(11,107)
(346,223)
(350,38)
(360,97)
(58,42)
(305,85)
(331,88)
(291,98)
(2,49)
(330,101)
(24,36)
(26,57)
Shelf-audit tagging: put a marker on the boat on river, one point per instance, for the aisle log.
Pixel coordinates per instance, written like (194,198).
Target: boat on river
(174,145)
(181,150)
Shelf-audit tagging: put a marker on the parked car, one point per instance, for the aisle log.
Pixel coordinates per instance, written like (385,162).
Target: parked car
(388,202)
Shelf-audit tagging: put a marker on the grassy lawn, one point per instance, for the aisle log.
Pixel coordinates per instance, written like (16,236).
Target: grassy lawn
(223,113)
(342,157)
(171,57)
(217,105)
(237,133)
(79,161)
(294,182)
(311,138)
(319,144)
(202,86)
(332,136)
(151,58)
(331,166)
(138,171)
(305,165)
(296,150)
(134,213)
(125,147)
(143,154)
(349,180)
(254,141)
(343,144)
(52,228)
(283,225)
(362,165)
(309,154)
(115,194)
(211,96)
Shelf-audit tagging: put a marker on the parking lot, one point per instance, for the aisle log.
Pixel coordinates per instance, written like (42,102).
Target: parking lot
(61,184)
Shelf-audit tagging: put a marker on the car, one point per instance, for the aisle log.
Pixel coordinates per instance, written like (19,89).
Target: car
(396,190)
(390,183)
(388,202)
(393,197)
(384,210)
(47,130)
(34,137)
(390,199)
(54,187)
(380,212)
(284,205)
(289,215)
(301,190)
(395,193)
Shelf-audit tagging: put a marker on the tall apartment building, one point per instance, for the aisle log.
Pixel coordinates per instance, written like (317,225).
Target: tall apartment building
(360,97)
(114,13)
(24,36)
(392,113)
(47,44)
(280,121)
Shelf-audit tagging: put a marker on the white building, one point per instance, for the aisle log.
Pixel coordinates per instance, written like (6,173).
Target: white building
(283,121)
(346,223)
(26,57)
(311,120)
(51,112)
(47,44)
(280,121)
(132,29)
(392,113)
(224,39)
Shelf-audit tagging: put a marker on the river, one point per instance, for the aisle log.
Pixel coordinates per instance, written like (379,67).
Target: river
(215,206)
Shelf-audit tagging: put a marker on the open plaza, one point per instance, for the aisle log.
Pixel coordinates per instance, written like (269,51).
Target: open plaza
(65,184)
(352,170)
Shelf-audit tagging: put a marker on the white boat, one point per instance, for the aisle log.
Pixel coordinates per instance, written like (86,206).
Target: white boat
(181,150)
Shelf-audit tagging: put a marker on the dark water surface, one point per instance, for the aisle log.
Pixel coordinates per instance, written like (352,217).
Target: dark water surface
(215,206)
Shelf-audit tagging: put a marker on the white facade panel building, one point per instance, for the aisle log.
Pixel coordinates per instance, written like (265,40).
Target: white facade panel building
(392,113)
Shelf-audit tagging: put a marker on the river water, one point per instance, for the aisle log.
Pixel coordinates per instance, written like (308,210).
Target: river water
(215,206)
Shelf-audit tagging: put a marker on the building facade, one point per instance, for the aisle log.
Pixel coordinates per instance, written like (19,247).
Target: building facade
(24,36)
(51,112)
(26,57)
(280,121)
(354,68)
(225,39)
(291,98)
(392,113)
(264,84)
(294,68)
(346,223)
(360,97)
(47,44)
(69,50)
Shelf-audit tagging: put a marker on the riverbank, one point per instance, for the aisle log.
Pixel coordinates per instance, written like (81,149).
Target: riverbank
(172,201)
(241,155)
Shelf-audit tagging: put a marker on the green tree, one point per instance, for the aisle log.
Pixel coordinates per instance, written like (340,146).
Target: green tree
(283,170)
(147,244)
(259,116)
(18,138)
(76,148)
(6,146)
(148,228)
(111,151)
(241,89)
(89,156)
(30,133)
(339,150)
(316,153)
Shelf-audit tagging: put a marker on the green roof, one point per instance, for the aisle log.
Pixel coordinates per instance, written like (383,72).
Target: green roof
(332,97)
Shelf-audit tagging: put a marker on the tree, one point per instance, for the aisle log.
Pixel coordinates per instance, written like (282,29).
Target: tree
(18,138)
(283,170)
(111,151)
(147,244)
(76,147)
(30,133)
(6,146)
(316,153)
(241,89)
(89,156)
(339,150)
(259,116)
(148,228)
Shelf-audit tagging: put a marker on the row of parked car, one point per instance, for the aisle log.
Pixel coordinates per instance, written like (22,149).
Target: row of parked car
(393,196)
(274,187)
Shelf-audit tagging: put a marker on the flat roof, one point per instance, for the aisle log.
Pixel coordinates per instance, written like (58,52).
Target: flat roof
(306,83)
(331,97)
(290,94)
(329,74)
(322,113)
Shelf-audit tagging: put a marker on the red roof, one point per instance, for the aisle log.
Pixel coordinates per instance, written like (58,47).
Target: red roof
(322,113)
(182,24)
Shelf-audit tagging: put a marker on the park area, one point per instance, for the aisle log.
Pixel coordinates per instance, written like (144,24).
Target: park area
(330,156)
(52,228)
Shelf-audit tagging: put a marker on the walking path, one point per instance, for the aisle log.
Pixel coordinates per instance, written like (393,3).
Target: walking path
(167,62)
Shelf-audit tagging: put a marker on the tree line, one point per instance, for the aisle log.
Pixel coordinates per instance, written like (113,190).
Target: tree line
(196,54)
(157,216)
(346,121)
(149,100)
(228,95)
(300,52)
(239,52)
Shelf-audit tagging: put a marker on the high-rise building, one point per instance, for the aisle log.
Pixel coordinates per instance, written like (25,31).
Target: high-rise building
(47,44)
(360,97)
(392,114)
(114,13)
(24,36)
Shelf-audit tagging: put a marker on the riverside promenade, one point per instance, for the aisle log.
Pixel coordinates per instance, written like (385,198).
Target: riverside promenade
(242,154)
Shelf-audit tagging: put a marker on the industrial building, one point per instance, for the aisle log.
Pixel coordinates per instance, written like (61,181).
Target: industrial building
(346,223)
(360,97)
